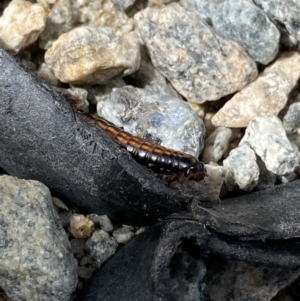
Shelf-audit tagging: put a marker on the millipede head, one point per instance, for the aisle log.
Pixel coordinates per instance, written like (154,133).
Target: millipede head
(197,172)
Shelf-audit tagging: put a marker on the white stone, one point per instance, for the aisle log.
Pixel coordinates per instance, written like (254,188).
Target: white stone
(122,235)
(21,24)
(267,137)
(243,169)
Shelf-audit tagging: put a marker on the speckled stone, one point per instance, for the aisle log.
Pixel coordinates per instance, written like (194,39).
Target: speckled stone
(100,246)
(21,24)
(93,55)
(286,12)
(200,64)
(103,221)
(267,137)
(162,119)
(267,95)
(36,259)
(243,22)
(291,120)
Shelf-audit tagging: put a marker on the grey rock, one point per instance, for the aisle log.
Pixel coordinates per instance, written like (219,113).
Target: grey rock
(266,178)
(286,12)
(100,246)
(122,235)
(291,120)
(200,64)
(243,22)
(77,247)
(36,259)
(160,118)
(85,272)
(241,162)
(122,4)
(267,137)
(101,220)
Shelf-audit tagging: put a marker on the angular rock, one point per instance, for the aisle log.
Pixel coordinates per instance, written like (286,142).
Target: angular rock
(21,24)
(103,221)
(162,119)
(291,120)
(243,168)
(100,246)
(122,235)
(233,19)
(93,55)
(267,95)
(286,12)
(36,259)
(216,145)
(267,137)
(200,64)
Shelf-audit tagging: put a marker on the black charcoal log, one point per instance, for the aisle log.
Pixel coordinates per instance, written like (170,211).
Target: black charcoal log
(159,264)
(272,214)
(43,138)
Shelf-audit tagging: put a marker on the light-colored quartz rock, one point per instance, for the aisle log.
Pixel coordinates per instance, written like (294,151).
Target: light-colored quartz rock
(216,145)
(291,120)
(200,64)
(234,20)
(100,246)
(267,137)
(80,226)
(93,55)
(286,12)
(162,119)
(267,95)
(217,173)
(122,235)
(21,24)
(243,169)
(36,259)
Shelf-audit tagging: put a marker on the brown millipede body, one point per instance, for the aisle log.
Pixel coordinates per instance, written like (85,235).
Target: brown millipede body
(146,153)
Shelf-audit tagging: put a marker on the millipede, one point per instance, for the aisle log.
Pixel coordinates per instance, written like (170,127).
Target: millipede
(154,156)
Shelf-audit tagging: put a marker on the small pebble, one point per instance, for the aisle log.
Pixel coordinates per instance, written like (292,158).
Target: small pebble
(59,203)
(103,221)
(123,235)
(77,247)
(100,246)
(85,272)
(80,226)
(291,120)
(267,137)
(243,168)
